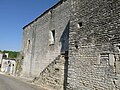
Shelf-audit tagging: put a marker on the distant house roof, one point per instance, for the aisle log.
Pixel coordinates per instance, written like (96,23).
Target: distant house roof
(57,4)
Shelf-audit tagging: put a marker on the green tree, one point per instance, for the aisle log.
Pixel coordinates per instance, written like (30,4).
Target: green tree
(12,54)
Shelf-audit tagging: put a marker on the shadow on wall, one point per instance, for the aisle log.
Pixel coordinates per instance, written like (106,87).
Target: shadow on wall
(65,39)
(64,50)
(65,70)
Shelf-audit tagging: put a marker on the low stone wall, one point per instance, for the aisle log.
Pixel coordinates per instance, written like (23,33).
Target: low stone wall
(86,72)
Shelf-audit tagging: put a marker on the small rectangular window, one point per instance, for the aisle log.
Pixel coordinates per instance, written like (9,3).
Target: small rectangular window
(79,24)
(52,37)
(28,42)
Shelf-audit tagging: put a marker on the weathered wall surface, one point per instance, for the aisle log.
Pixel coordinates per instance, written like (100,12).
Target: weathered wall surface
(89,31)
(36,38)
(26,49)
(94,33)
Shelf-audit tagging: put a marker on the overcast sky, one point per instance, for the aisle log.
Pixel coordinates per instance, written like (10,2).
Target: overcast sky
(14,15)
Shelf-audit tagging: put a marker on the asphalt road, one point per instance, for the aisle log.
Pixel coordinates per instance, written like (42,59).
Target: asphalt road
(10,83)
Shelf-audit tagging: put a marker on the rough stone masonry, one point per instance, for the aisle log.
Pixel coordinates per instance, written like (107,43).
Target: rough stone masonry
(75,45)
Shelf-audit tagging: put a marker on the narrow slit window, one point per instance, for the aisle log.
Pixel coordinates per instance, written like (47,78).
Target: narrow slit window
(28,41)
(79,24)
(28,45)
(52,37)
(119,47)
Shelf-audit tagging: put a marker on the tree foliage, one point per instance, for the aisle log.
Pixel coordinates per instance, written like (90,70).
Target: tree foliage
(11,54)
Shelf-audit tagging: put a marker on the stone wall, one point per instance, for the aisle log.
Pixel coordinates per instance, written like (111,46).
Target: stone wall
(26,49)
(89,31)
(37,49)
(94,33)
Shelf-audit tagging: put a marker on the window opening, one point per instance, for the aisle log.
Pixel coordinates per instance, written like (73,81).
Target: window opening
(28,41)
(28,45)
(119,47)
(52,37)
(79,24)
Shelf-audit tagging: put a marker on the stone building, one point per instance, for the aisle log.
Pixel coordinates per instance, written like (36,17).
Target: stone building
(8,66)
(75,45)
(1,55)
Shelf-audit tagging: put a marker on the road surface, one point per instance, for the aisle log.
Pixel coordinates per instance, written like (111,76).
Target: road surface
(10,83)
